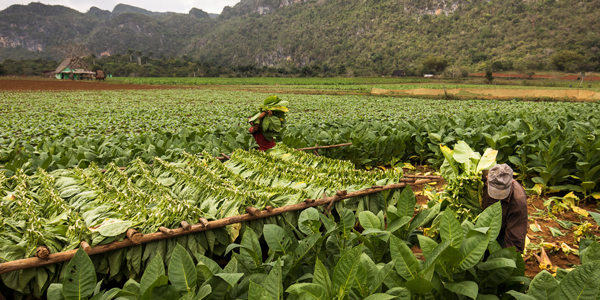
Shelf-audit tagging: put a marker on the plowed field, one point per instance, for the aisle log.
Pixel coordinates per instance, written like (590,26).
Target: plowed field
(69,85)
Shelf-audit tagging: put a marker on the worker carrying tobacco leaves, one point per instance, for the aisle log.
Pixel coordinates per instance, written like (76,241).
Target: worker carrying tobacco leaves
(500,186)
(268,122)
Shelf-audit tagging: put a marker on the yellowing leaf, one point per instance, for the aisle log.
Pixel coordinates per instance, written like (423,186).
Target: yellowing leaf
(537,189)
(544,260)
(234,231)
(571,199)
(408,166)
(566,249)
(580,211)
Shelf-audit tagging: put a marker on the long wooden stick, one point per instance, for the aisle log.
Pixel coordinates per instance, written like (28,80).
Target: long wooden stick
(434,177)
(324,147)
(202,226)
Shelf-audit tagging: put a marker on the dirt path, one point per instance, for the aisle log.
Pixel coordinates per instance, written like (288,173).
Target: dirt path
(495,93)
(567,77)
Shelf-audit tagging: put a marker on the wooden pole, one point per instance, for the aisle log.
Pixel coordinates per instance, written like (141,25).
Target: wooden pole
(202,226)
(134,236)
(324,147)
(434,177)
(42,252)
(86,247)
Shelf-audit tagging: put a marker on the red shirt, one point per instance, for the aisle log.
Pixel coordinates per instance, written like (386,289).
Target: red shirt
(263,144)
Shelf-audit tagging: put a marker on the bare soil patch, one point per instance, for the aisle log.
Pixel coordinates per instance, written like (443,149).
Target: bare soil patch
(567,77)
(495,93)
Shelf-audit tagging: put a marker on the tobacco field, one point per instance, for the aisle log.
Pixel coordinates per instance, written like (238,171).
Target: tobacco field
(90,166)
(553,145)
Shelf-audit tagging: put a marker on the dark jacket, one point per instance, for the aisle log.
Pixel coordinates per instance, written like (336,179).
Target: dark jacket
(514,216)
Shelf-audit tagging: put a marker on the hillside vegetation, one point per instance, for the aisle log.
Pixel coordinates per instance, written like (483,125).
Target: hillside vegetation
(358,37)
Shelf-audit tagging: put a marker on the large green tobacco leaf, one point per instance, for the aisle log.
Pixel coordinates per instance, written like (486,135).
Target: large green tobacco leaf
(450,169)
(276,238)
(203,292)
(55,291)
(427,245)
(543,286)
(419,286)
(491,217)
(182,272)
(472,250)
(273,284)
(591,253)
(406,203)
(520,296)
(258,292)
(309,291)
(581,283)
(230,278)
(369,220)
(450,229)
(433,256)
(380,296)
(154,270)
(309,221)
(321,277)
(495,271)
(251,247)
(466,288)
(80,277)
(405,262)
(162,280)
(345,271)
(463,154)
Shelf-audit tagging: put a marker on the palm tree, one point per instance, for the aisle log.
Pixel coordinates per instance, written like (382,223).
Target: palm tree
(139,56)
(130,52)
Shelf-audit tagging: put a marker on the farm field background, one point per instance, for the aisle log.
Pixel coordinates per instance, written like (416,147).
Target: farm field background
(357,84)
(552,146)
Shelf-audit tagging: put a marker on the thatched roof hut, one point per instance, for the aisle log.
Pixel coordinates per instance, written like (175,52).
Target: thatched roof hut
(72,66)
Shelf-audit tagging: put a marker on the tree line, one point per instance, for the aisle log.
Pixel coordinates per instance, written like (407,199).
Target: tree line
(136,63)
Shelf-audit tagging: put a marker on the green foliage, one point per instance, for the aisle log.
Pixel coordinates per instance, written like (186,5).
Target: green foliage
(567,60)
(436,63)
(462,169)
(350,37)
(62,208)
(489,76)
(351,270)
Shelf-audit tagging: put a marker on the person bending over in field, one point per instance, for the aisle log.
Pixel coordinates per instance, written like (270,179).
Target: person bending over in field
(263,143)
(500,186)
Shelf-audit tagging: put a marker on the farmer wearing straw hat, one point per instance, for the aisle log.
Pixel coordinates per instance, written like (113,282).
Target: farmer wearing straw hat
(500,186)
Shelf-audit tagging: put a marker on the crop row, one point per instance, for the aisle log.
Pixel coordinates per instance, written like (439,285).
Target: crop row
(553,144)
(315,256)
(64,207)
(263,81)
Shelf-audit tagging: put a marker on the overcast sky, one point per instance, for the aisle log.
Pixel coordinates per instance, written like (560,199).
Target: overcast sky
(181,6)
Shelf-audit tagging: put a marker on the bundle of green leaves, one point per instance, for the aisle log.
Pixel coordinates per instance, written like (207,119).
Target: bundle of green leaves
(462,169)
(271,125)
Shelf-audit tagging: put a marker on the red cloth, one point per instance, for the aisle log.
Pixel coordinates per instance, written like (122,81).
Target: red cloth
(263,144)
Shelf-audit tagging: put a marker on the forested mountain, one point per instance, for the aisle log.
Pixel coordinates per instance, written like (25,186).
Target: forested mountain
(367,37)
